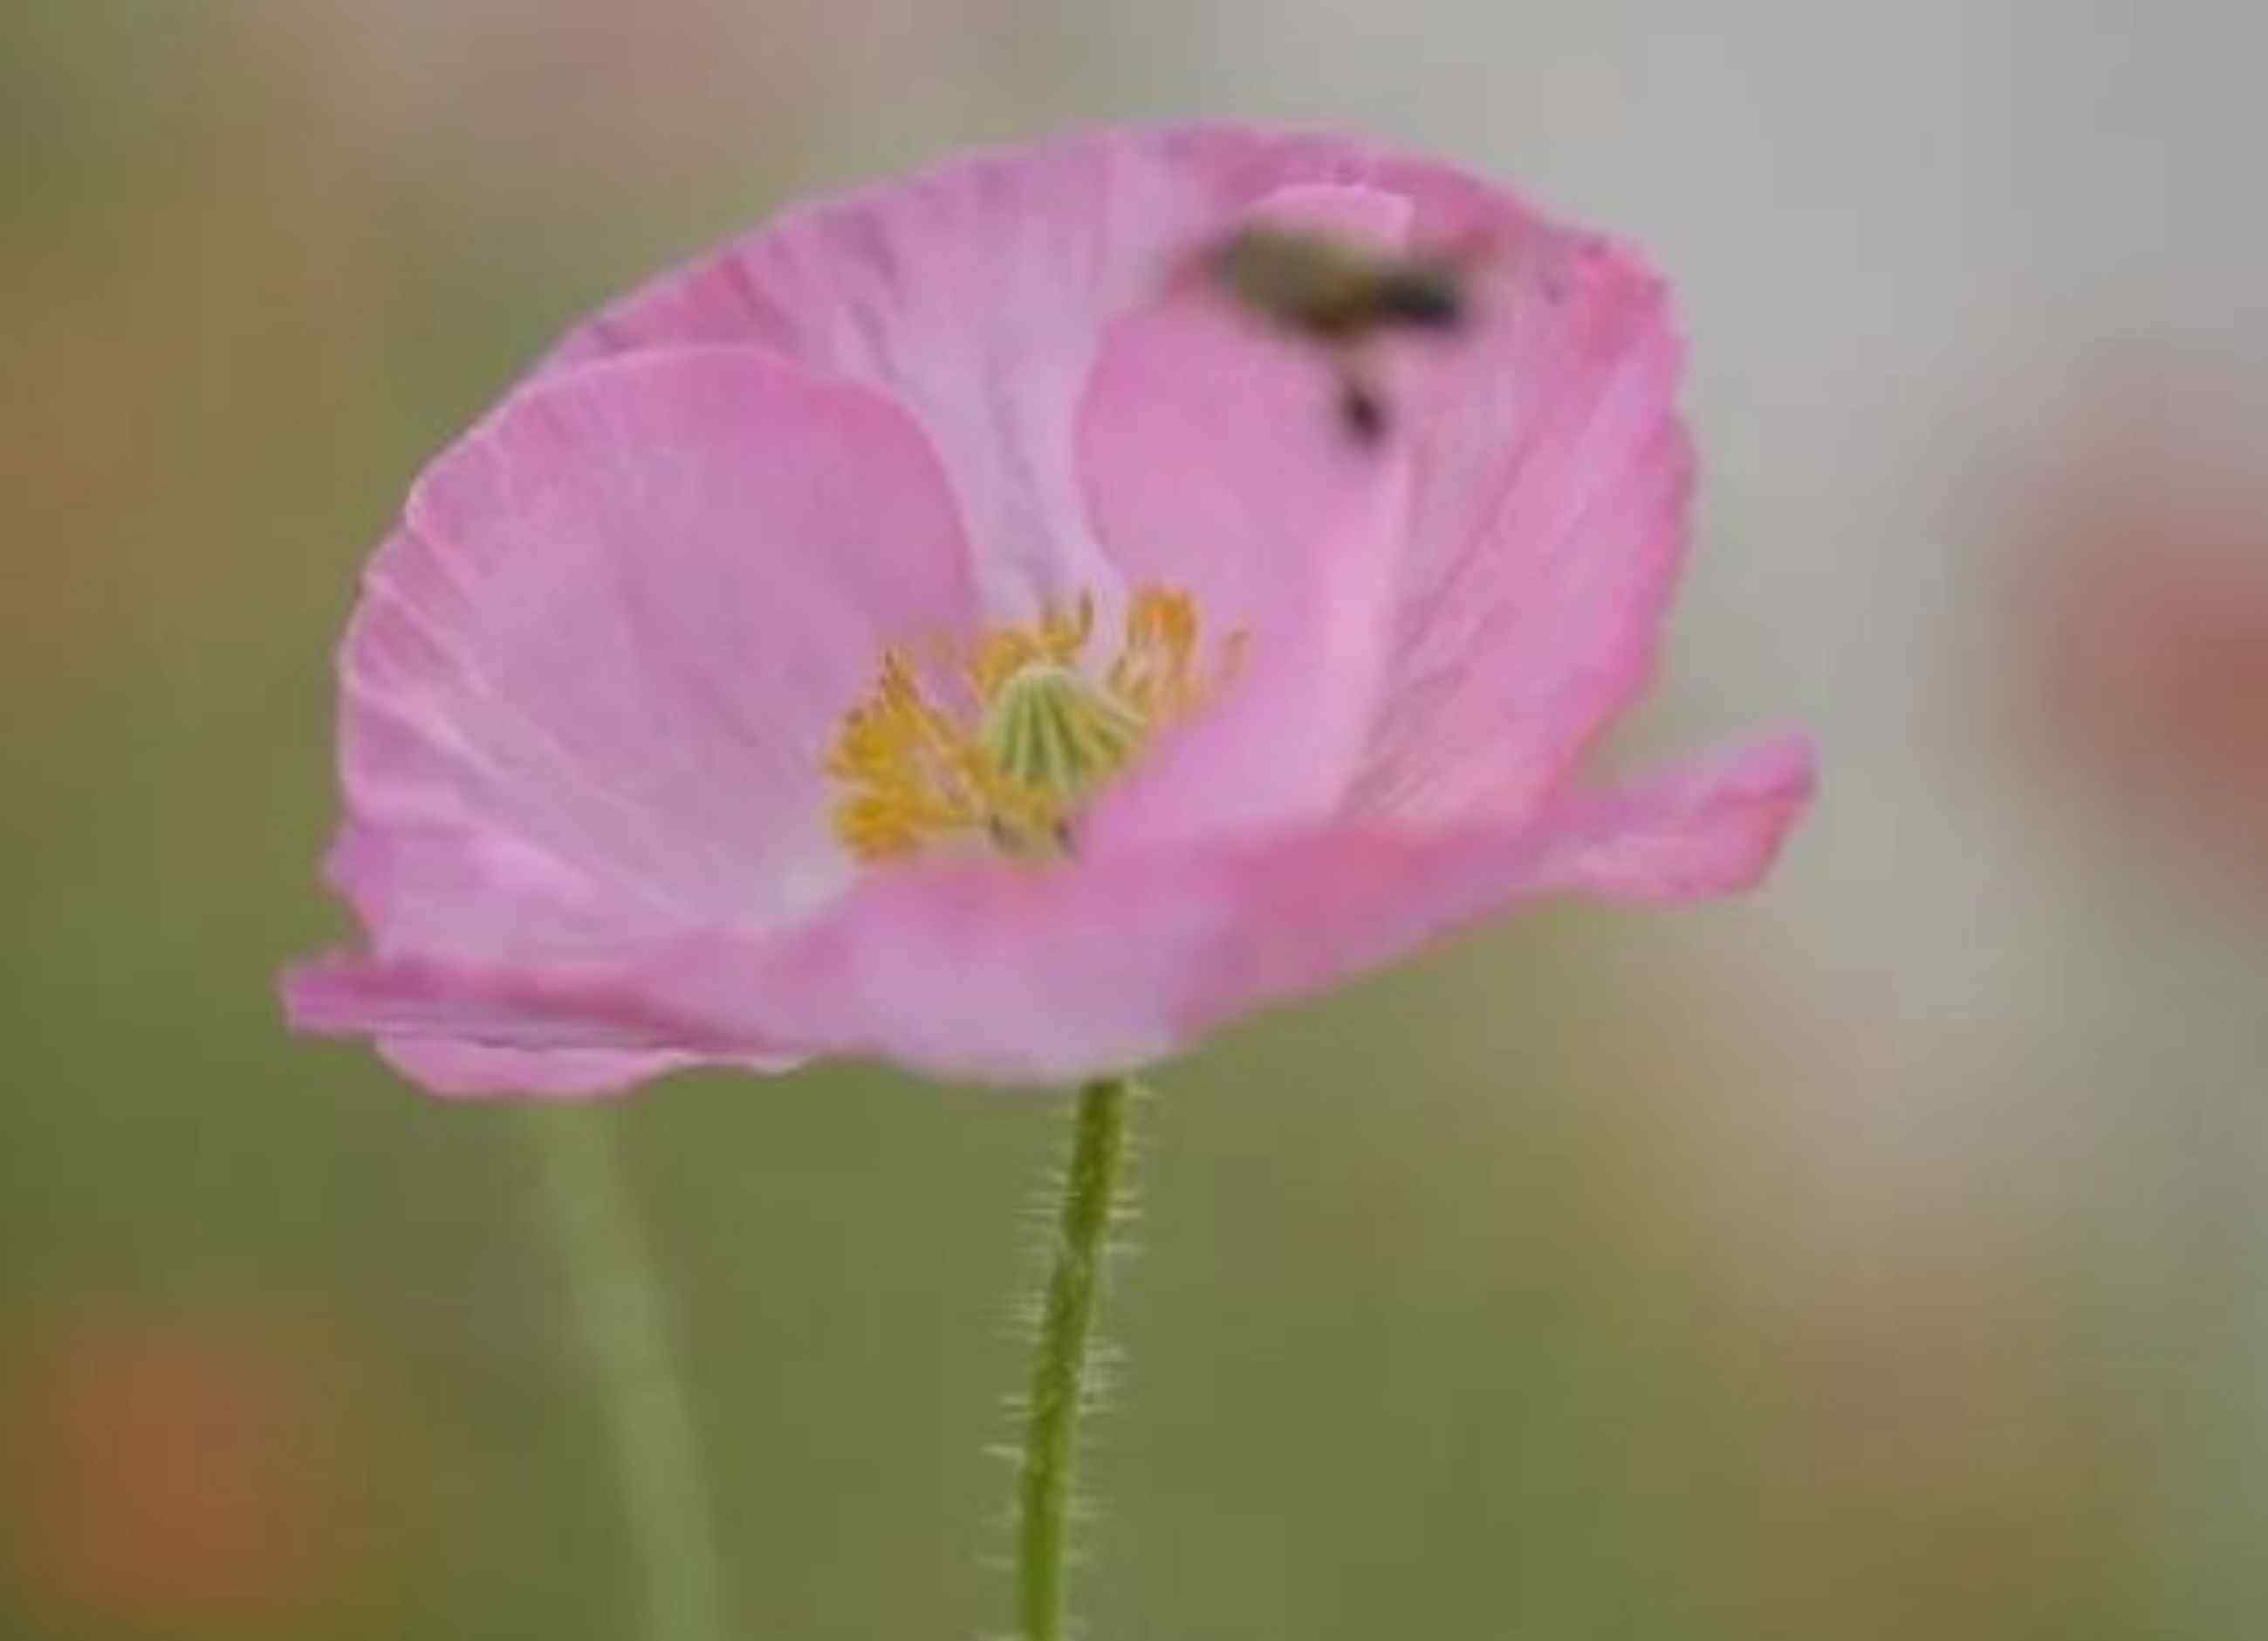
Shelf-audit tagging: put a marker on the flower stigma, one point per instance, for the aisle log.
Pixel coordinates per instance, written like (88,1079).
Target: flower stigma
(1028,736)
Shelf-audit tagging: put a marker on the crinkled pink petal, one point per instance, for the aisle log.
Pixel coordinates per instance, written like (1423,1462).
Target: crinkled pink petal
(1285,530)
(974,295)
(472,1069)
(622,1007)
(588,689)
(1543,519)
(598,667)
(1039,977)
(470,1032)
(978,294)
(1544,516)
(1709,825)
(1007,299)
(1010,975)
(1547,523)
(469,1029)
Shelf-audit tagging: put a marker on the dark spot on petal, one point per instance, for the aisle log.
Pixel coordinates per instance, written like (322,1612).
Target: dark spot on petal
(1364,414)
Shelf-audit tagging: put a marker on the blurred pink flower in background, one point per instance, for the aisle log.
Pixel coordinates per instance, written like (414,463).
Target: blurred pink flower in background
(2143,587)
(917,630)
(186,1469)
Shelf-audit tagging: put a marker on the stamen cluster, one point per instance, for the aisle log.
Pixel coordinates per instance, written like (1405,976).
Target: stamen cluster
(1029,735)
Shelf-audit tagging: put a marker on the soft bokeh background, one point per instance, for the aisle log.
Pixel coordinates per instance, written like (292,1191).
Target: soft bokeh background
(1880,1256)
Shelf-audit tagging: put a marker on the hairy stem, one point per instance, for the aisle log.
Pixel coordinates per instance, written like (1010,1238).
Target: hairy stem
(1059,1368)
(621,1310)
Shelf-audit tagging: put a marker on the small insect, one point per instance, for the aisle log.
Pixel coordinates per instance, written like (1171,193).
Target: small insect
(1340,295)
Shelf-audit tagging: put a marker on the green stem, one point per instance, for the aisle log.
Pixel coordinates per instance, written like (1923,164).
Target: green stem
(620,1308)
(1059,1369)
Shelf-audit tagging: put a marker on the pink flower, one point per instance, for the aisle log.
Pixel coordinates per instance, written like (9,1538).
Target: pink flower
(928,628)
(211,1468)
(2142,601)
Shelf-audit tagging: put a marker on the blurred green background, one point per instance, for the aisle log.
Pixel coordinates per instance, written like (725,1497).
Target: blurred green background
(1879,1256)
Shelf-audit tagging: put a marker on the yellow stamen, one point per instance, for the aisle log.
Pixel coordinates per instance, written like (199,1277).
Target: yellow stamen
(1039,737)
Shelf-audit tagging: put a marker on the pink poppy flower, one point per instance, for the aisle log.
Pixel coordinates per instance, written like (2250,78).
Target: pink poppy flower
(932,627)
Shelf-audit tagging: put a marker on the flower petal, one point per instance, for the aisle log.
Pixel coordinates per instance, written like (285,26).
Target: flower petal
(1046,977)
(1215,459)
(1547,524)
(470,1070)
(1463,607)
(1543,504)
(1707,825)
(1005,974)
(978,294)
(592,680)
(975,296)
(1543,516)
(467,1033)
